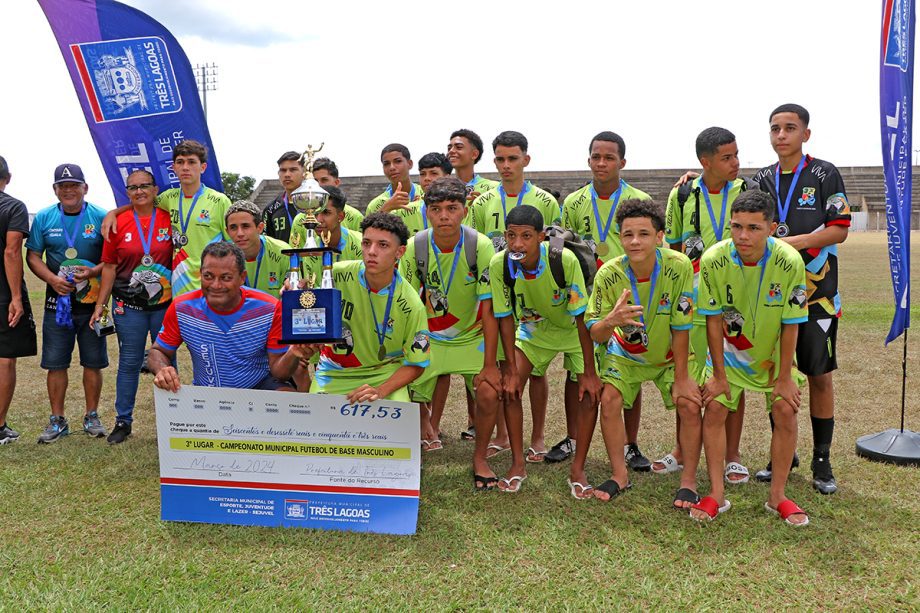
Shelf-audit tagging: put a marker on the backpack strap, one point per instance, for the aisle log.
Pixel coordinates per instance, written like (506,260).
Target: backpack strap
(556,245)
(508,279)
(683,192)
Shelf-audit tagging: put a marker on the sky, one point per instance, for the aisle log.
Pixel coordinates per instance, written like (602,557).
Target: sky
(358,76)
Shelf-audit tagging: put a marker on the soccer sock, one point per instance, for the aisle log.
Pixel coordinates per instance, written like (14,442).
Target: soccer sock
(823,433)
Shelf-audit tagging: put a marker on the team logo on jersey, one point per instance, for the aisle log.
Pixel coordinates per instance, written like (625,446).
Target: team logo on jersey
(420,343)
(273,282)
(127,78)
(684,304)
(204,216)
(163,235)
(89,231)
(808,197)
(347,346)
(558,297)
(798,297)
(839,204)
(664,304)
(776,293)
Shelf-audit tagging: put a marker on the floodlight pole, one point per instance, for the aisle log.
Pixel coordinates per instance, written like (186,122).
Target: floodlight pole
(206,79)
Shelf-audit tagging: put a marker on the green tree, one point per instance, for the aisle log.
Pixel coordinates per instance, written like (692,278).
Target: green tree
(236,186)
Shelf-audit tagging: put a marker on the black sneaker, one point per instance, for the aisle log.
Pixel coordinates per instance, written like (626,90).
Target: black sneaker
(121,432)
(766,475)
(635,460)
(7,434)
(561,451)
(822,475)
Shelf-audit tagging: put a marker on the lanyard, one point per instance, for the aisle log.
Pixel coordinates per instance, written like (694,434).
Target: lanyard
(425,215)
(382,335)
(255,282)
(720,228)
(287,210)
(183,223)
(472,182)
(411,191)
(501,192)
(145,243)
(763,269)
(651,293)
(72,237)
(602,235)
(453,266)
(784,206)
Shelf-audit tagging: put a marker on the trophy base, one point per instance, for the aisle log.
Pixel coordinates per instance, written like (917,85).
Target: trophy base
(316,341)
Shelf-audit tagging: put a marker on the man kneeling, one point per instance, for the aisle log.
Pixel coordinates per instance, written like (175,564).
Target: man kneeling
(232,332)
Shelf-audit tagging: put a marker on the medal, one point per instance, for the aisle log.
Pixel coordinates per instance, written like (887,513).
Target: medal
(604,231)
(70,253)
(147,260)
(146,241)
(782,230)
(602,249)
(516,256)
(183,240)
(643,337)
(633,282)
(381,353)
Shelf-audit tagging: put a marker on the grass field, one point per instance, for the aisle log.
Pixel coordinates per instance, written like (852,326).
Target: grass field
(81,529)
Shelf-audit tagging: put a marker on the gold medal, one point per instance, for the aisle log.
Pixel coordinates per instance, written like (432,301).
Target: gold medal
(602,249)
(70,253)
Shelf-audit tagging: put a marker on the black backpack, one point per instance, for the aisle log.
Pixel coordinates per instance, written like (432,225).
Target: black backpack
(559,238)
(422,254)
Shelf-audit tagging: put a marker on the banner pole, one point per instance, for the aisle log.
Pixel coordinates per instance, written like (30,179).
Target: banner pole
(903,380)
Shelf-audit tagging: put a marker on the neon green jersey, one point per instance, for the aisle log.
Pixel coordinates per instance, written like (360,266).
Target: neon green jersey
(353,218)
(349,245)
(415,195)
(266,271)
(489,212)
(670,308)
(406,336)
(205,225)
(754,302)
(453,293)
(479,186)
(545,313)
(578,216)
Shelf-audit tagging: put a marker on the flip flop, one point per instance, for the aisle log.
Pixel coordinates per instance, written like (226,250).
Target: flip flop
(685,494)
(497,449)
(514,484)
(710,506)
(584,489)
(785,509)
(612,488)
(484,484)
(469,434)
(671,465)
(435,445)
(531,452)
(425,444)
(737,469)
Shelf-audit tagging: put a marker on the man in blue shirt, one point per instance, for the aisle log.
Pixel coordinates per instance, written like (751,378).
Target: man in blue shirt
(67,235)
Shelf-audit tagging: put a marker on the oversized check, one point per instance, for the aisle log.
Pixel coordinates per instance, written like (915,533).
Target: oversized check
(259,458)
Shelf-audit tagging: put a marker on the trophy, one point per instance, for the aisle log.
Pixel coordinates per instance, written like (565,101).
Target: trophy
(313,314)
(104,325)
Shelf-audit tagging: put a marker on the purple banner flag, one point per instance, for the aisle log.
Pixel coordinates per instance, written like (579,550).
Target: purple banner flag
(136,87)
(896,104)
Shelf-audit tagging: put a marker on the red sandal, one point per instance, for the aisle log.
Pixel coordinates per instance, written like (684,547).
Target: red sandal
(710,506)
(785,509)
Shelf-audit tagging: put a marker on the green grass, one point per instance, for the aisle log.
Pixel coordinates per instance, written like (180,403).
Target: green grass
(81,528)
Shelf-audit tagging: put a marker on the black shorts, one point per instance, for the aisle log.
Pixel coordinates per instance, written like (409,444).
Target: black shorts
(21,341)
(272,384)
(816,349)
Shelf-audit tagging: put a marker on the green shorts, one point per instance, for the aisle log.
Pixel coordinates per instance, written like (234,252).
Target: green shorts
(628,380)
(737,390)
(446,359)
(540,357)
(324,384)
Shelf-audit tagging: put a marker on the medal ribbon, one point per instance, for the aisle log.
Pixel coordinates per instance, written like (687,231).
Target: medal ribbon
(763,269)
(255,282)
(602,236)
(651,294)
(453,266)
(145,243)
(183,223)
(287,209)
(784,206)
(382,335)
(501,192)
(720,228)
(72,237)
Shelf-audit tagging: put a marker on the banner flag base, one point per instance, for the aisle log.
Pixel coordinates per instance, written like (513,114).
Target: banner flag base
(893,446)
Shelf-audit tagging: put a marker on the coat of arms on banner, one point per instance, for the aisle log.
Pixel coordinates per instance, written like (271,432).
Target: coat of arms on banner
(127,78)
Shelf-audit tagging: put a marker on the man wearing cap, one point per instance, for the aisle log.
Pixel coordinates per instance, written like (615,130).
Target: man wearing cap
(17,328)
(67,235)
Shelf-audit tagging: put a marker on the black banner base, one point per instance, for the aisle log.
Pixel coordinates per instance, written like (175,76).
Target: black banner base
(893,446)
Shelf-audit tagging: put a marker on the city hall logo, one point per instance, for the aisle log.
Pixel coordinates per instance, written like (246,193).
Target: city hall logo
(897,34)
(127,78)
